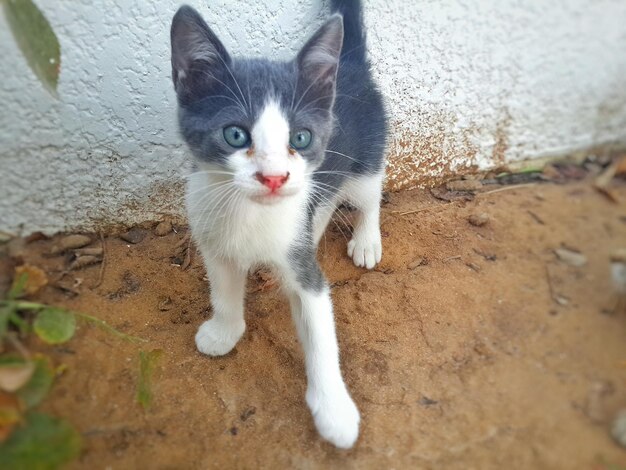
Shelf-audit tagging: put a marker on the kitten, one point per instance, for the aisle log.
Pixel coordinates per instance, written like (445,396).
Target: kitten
(277,146)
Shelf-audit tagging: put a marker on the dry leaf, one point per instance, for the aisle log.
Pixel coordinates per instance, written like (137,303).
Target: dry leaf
(10,414)
(35,280)
(15,375)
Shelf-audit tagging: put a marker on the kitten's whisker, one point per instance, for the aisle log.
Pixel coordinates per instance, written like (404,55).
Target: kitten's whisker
(213,77)
(210,172)
(208,214)
(220,96)
(236,83)
(336,205)
(318,201)
(210,197)
(181,199)
(344,155)
(314,82)
(323,200)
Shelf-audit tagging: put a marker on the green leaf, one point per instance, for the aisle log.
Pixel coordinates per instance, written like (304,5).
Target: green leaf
(147,365)
(108,328)
(55,325)
(40,383)
(17,320)
(36,40)
(17,288)
(5,314)
(44,443)
(22,305)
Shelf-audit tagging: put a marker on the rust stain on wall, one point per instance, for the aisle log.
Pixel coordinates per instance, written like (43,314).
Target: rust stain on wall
(430,154)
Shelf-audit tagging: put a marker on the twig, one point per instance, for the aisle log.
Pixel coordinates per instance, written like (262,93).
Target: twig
(183,240)
(450,258)
(559,299)
(536,217)
(188,255)
(103,264)
(421,209)
(508,188)
(17,344)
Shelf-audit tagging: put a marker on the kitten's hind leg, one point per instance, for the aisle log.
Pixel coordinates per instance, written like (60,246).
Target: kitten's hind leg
(218,336)
(364,193)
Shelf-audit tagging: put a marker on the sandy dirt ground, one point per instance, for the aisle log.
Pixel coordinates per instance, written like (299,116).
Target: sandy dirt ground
(469,347)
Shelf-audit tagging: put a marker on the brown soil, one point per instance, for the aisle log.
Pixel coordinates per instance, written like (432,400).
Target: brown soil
(465,361)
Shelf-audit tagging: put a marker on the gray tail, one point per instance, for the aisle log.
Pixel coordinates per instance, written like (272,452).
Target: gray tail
(353,32)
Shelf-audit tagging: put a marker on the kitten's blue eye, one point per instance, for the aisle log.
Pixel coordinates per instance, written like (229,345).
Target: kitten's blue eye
(301,139)
(236,137)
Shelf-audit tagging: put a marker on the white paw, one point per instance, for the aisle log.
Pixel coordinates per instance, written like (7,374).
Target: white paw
(365,248)
(336,417)
(216,339)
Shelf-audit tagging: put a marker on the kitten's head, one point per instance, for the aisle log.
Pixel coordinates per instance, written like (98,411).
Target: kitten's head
(264,125)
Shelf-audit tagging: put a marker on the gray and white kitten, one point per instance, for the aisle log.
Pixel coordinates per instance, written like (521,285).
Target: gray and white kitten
(277,146)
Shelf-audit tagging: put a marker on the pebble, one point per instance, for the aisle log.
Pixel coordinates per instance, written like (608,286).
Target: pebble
(478,220)
(163,228)
(618,270)
(594,407)
(618,430)
(83,261)
(91,251)
(134,236)
(464,185)
(571,257)
(417,262)
(5,237)
(70,242)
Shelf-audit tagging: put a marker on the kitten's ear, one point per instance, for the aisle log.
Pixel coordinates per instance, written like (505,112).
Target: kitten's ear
(197,53)
(318,60)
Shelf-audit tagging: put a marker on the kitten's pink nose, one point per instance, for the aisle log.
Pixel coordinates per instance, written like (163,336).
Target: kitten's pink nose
(272,181)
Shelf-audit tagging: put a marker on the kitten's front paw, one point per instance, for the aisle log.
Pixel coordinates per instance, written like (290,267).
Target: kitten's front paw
(216,339)
(365,248)
(336,417)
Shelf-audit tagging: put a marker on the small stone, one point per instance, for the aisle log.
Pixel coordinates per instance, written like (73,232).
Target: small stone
(618,430)
(562,301)
(594,407)
(83,261)
(166,304)
(417,262)
(163,228)
(478,220)
(473,266)
(134,236)
(570,257)
(70,242)
(427,401)
(35,237)
(5,237)
(464,185)
(247,413)
(618,270)
(90,251)
(618,256)
(16,248)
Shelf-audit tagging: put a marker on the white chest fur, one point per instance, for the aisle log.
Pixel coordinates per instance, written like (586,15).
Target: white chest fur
(236,228)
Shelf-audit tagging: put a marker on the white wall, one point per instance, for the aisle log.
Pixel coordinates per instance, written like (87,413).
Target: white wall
(469,83)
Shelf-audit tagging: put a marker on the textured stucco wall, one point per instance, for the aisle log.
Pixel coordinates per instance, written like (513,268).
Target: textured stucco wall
(470,84)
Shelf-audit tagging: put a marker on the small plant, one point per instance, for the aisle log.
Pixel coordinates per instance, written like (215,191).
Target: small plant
(30,439)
